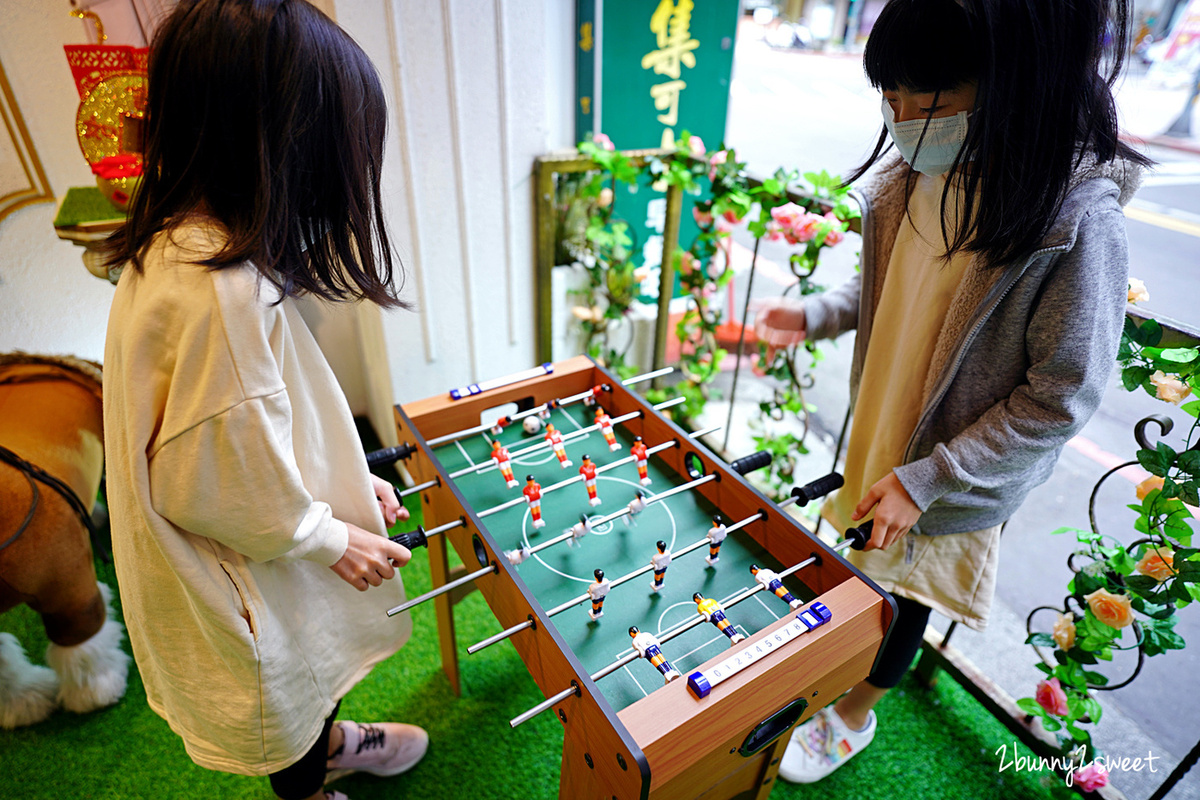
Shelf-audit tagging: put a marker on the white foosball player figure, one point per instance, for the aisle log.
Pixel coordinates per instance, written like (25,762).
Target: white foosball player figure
(716,535)
(660,561)
(519,555)
(649,648)
(769,580)
(636,506)
(597,591)
(579,530)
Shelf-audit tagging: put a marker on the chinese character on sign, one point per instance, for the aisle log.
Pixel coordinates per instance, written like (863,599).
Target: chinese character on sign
(671,24)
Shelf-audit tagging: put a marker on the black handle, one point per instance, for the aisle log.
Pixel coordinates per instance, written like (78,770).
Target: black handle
(818,488)
(411,539)
(861,535)
(390,455)
(751,462)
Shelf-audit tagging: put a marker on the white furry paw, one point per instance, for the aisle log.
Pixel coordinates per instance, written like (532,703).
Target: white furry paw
(92,674)
(27,691)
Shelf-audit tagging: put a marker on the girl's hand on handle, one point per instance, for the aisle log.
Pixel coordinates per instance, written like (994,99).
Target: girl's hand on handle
(778,322)
(369,559)
(389,503)
(895,512)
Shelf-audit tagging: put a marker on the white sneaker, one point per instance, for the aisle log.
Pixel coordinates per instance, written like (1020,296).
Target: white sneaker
(821,745)
(381,748)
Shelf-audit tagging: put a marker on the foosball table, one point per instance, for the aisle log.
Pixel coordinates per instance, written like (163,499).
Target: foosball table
(678,622)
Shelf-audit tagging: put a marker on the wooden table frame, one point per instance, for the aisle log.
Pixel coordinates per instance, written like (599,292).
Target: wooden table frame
(668,744)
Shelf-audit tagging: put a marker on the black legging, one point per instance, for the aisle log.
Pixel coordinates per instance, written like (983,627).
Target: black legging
(902,645)
(306,777)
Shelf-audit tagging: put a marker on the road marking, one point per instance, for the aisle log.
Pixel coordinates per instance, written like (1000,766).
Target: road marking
(1170,222)
(1089,449)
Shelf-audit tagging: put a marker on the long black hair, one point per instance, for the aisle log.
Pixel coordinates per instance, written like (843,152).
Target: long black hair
(267,117)
(1044,71)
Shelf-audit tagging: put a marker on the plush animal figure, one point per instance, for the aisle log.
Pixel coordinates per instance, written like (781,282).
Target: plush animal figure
(51,459)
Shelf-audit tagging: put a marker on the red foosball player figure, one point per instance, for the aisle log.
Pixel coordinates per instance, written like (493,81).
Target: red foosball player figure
(588,471)
(579,530)
(636,506)
(716,535)
(597,592)
(503,461)
(660,561)
(533,496)
(769,580)
(589,399)
(712,612)
(638,451)
(606,428)
(649,648)
(556,441)
(500,424)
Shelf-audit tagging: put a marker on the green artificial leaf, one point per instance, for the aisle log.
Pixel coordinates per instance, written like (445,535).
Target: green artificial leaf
(1192,408)
(1134,376)
(1041,640)
(1096,678)
(1180,355)
(1043,667)
(1151,461)
(1030,706)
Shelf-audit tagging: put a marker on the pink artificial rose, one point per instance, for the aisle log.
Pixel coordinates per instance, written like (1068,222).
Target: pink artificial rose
(719,157)
(787,215)
(687,263)
(696,146)
(774,231)
(1050,696)
(709,289)
(602,140)
(703,218)
(731,216)
(835,235)
(1091,777)
(804,229)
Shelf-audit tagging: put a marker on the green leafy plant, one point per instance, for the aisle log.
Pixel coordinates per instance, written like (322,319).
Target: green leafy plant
(1137,587)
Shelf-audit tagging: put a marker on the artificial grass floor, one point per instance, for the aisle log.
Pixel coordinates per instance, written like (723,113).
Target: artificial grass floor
(930,743)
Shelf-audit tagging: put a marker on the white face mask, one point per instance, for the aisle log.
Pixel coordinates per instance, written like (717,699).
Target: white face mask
(940,142)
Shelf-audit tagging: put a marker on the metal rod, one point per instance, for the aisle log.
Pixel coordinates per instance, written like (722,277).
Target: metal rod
(499,637)
(649,376)
(737,369)
(420,487)
(458,523)
(454,584)
(542,706)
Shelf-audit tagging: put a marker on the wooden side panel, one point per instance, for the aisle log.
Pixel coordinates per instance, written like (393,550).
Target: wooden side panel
(439,415)
(819,666)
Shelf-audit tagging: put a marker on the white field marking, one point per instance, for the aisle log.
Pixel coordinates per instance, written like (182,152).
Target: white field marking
(632,677)
(571,419)
(704,645)
(590,579)
(463,450)
(486,438)
(535,459)
(758,597)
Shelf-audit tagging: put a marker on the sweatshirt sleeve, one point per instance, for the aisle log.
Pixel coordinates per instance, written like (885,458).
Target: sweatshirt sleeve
(233,478)
(1071,342)
(832,313)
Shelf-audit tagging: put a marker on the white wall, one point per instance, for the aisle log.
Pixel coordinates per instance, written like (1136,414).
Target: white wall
(478,89)
(48,302)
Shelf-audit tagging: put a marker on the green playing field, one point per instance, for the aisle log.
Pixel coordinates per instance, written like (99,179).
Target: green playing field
(562,572)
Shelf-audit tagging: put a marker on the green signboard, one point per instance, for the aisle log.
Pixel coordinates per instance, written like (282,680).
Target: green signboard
(647,70)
